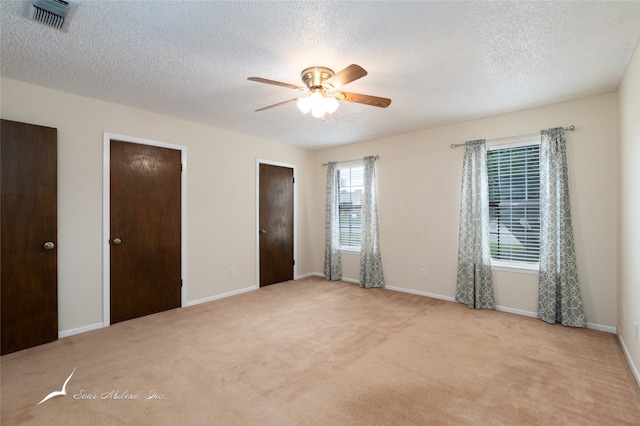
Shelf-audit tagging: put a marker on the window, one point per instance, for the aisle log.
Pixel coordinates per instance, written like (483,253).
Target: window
(350,205)
(514,203)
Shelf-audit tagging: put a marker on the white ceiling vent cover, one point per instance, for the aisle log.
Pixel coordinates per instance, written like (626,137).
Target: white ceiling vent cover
(50,12)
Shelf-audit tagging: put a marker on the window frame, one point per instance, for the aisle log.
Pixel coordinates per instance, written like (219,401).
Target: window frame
(514,265)
(346,166)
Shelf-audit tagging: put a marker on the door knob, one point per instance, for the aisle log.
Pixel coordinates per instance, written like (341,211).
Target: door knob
(117,241)
(262,231)
(49,245)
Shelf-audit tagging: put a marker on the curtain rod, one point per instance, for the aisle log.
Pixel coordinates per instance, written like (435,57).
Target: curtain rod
(570,128)
(375,157)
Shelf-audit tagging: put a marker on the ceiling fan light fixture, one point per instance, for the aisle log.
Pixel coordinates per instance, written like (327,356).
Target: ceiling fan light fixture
(318,103)
(321,83)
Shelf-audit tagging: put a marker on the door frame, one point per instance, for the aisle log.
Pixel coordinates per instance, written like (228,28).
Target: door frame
(106,216)
(295,215)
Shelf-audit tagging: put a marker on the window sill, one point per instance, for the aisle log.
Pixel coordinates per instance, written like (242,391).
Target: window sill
(518,267)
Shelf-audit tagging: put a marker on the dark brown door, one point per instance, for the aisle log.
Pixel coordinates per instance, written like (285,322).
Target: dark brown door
(29,235)
(276,224)
(145,230)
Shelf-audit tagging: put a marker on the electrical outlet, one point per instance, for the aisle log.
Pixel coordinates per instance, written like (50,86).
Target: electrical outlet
(231,272)
(423,273)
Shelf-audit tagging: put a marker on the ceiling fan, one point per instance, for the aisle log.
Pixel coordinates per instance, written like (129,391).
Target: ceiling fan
(321,94)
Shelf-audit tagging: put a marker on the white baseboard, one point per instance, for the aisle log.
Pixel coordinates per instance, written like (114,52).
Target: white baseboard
(310,274)
(318,274)
(420,293)
(599,327)
(79,330)
(590,325)
(517,311)
(218,296)
(627,355)
(73,331)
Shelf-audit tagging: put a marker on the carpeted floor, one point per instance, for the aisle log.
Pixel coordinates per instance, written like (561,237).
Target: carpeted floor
(313,352)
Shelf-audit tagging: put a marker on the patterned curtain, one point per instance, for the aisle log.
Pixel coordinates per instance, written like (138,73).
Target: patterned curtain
(370,259)
(558,293)
(332,262)
(474,283)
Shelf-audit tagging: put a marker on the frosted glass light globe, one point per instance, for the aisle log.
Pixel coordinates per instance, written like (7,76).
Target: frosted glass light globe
(330,104)
(304,104)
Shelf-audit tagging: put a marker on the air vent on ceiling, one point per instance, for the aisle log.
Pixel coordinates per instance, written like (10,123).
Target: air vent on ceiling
(50,12)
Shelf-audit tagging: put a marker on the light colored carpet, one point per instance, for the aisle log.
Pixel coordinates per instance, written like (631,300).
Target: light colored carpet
(313,352)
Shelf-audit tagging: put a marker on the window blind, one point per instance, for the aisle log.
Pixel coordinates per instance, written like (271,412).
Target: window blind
(514,202)
(350,205)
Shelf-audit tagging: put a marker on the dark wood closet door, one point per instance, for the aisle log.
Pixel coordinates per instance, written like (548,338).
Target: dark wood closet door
(29,235)
(276,224)
(145,243)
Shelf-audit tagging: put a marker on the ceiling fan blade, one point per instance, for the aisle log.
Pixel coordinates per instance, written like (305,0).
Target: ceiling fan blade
(363,99)
(278,104)
(347,75)
(277,83)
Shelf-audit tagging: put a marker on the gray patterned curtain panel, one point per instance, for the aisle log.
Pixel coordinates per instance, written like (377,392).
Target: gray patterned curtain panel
(370,258)
(558,292)
(474,285)
(332,262)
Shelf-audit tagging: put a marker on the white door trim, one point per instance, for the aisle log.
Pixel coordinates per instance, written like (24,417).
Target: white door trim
(106,216)
(295,216)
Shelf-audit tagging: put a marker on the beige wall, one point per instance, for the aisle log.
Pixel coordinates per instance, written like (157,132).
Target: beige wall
(221,197)
(629,225)
(419,194)
(419,184)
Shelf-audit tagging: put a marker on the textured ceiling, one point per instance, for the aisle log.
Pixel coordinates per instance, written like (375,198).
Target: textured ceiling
(439,62)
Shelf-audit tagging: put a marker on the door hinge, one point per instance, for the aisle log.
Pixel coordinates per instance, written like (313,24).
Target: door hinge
(181,167)
(294,262)
(294,180)
(180,282)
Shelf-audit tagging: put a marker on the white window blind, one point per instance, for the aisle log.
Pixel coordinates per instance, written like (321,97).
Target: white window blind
(514,202)
(350,204)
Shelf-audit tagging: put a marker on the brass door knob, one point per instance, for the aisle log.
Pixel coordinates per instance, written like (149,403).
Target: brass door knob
(117,241)
(49,245)
(262,231)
